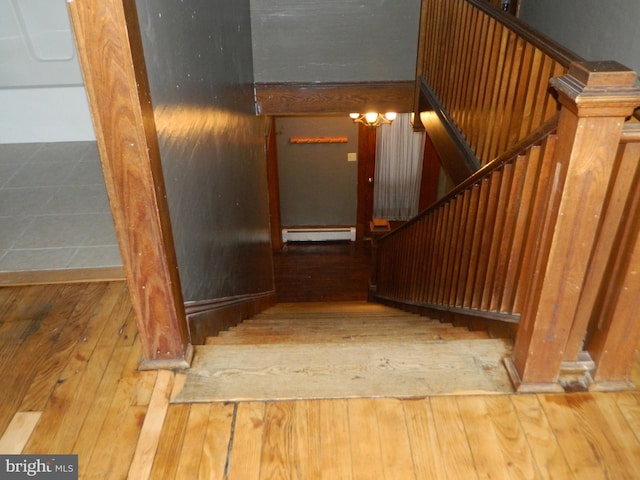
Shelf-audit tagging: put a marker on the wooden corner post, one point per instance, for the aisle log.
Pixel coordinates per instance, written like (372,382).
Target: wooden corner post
(110,51)
(595,98)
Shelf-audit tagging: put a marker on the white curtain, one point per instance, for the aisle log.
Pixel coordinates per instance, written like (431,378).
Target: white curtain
(399,152)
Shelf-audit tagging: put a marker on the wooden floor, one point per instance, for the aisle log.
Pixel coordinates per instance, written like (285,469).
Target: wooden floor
(69,384)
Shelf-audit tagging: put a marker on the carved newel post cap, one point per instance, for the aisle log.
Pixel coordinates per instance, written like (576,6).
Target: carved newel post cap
(603,74)
(598,89)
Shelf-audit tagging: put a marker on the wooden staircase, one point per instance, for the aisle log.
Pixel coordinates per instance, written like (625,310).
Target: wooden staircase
(344,350)
(341,322)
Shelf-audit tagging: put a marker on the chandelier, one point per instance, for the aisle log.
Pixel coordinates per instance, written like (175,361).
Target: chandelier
(373,119)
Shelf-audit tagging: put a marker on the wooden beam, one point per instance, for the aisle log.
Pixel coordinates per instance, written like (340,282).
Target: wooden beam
(596,97)
(110,51)
(333,98)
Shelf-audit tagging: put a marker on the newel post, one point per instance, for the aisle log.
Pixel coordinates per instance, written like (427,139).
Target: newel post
(595,98)
(110,51)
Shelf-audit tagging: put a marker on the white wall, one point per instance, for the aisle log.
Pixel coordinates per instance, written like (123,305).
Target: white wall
(41,88)
(593,29)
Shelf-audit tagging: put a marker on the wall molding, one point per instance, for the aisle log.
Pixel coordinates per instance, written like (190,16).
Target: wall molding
(328,98)
(209,317)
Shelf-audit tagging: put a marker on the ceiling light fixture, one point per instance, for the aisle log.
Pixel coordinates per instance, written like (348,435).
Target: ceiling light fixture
(373,119)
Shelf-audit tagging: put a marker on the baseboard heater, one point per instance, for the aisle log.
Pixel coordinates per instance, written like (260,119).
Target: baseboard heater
(318,234)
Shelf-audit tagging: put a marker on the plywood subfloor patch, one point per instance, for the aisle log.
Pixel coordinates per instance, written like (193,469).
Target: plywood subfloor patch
(322,371)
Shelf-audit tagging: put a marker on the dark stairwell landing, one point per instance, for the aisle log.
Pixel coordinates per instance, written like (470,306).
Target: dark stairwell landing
(323,271)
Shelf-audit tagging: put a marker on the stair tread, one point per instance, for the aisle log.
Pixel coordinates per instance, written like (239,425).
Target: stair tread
(340,322)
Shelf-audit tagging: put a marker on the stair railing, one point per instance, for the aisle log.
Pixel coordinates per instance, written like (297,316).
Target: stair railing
(486,73)
(468,252)
(546,236)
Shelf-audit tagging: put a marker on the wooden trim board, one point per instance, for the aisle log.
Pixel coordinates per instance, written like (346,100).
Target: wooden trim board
(322,371)
(46,277)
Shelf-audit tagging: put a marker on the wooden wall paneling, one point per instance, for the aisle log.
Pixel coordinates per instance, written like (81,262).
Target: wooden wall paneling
(596,97)
(110,51)
(333,98)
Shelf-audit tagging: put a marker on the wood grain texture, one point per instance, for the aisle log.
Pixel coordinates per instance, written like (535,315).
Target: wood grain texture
(110,54)
(386,365)
(17,434)
(333,98)
(567,436)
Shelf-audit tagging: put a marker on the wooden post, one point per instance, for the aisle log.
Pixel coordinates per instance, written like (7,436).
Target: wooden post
(595,98)
(615,333)
(110,51)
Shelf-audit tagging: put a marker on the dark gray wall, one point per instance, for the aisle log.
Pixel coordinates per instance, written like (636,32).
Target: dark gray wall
(199,63)
(594,29)
(334,40)
(318,186)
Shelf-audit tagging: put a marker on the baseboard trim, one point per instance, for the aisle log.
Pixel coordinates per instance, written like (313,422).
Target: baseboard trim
(76,275)
(208,318)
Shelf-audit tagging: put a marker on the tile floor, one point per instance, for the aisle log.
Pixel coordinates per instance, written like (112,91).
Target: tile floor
(54,211)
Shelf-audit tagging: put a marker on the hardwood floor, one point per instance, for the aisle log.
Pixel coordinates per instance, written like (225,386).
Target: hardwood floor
(69,384)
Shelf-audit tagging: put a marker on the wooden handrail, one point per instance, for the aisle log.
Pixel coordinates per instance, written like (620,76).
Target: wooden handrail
(532,139)
(446,259)
(548,233)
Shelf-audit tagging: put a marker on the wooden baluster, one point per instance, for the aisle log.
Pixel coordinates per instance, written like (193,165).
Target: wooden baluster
(596,97)
(478,78)
(471,196)
(524,77)
(491,208)
(516,203)
(475,255)
(501,112)
(459,236)
(447,245)
(468,90)
(499,242)
(542,182)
